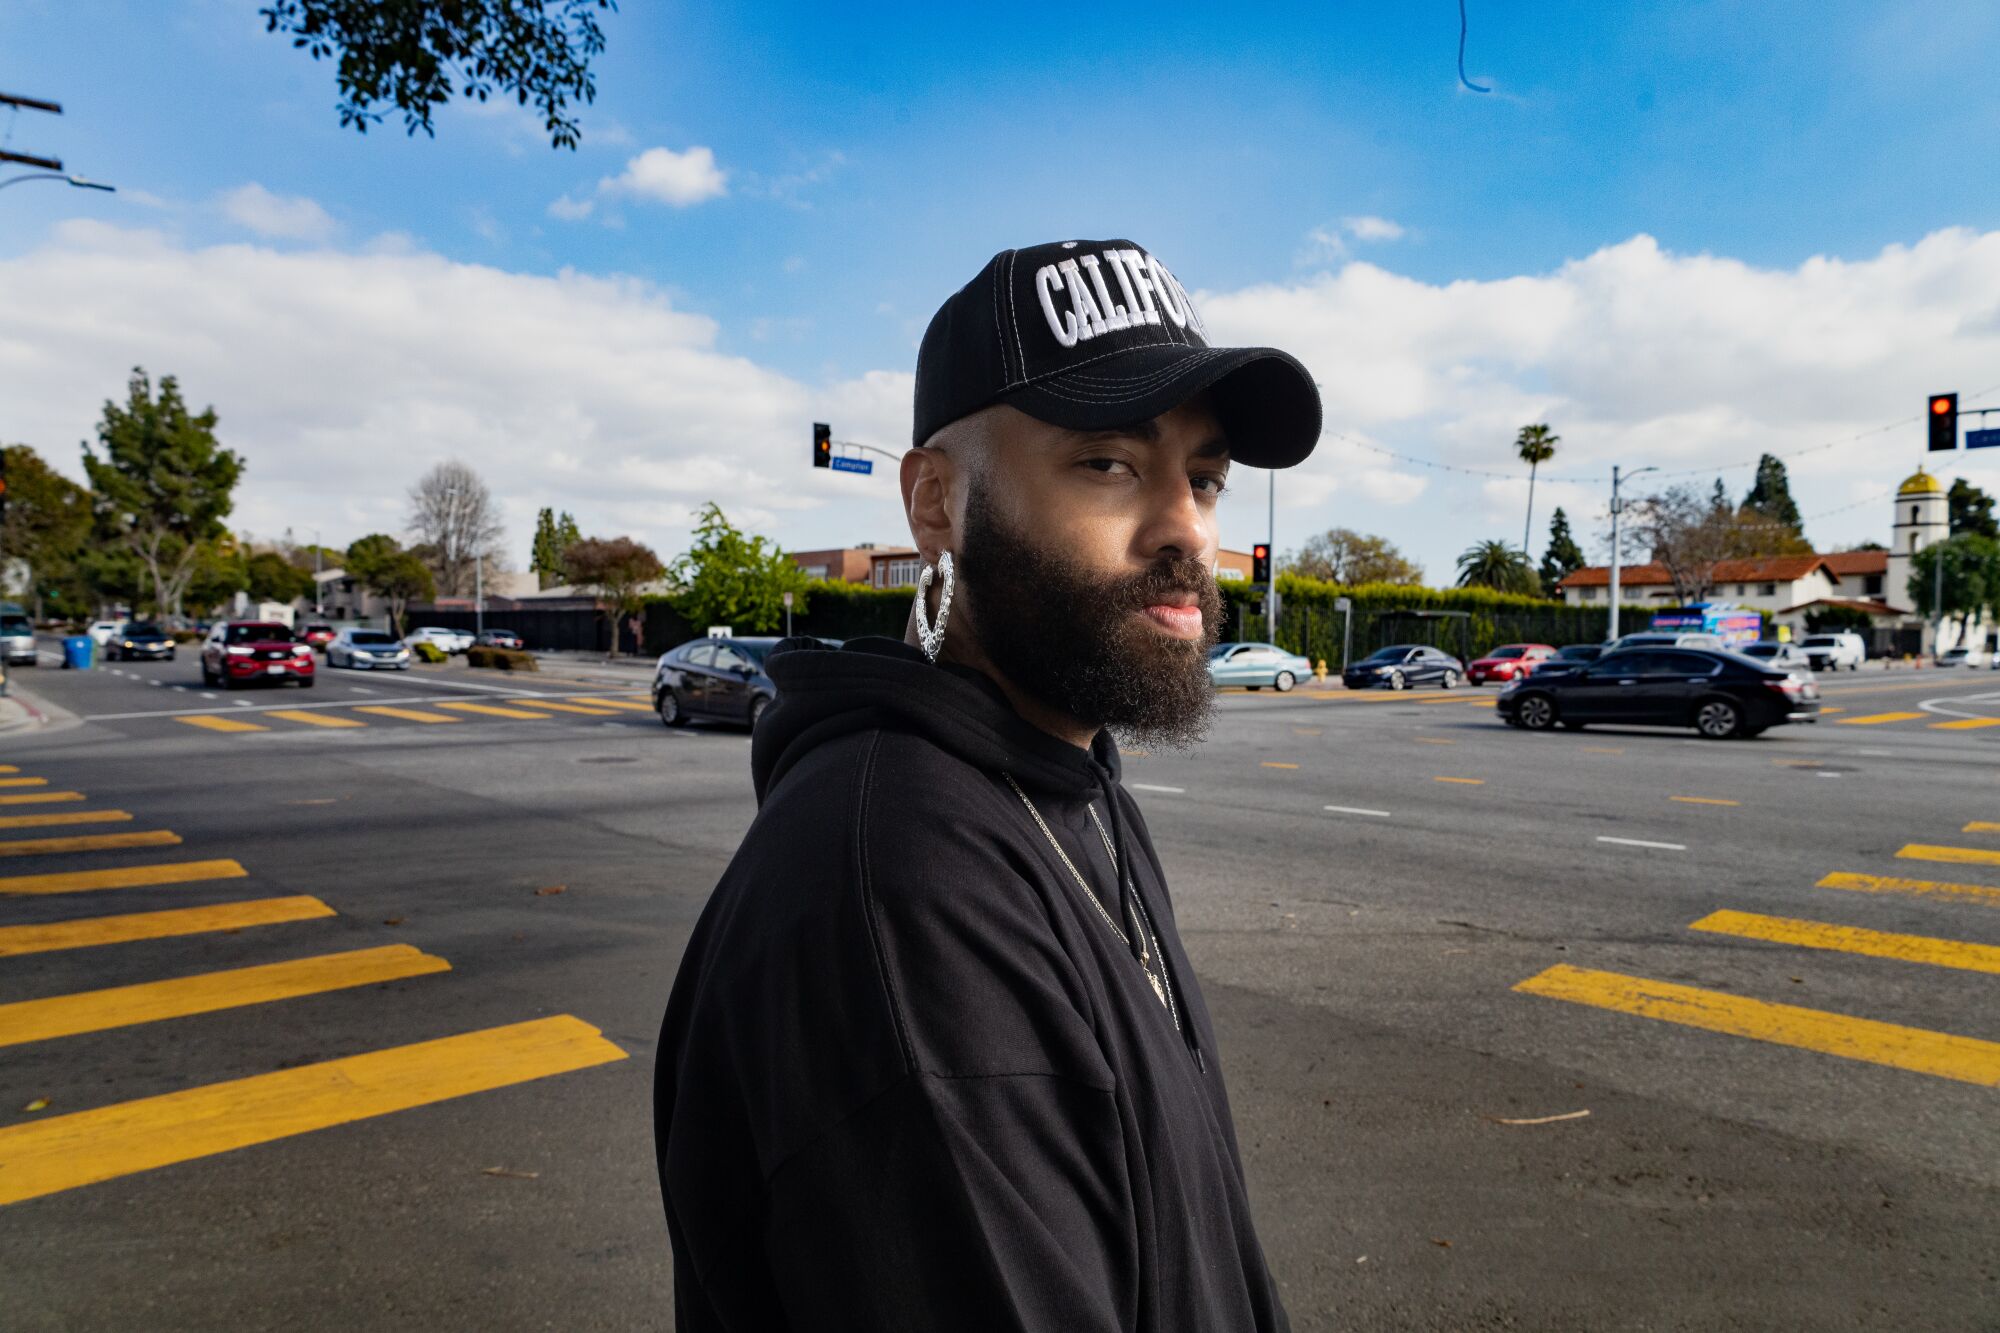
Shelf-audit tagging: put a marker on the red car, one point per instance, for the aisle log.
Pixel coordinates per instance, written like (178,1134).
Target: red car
(1510,661)
(239,651)
(319,636)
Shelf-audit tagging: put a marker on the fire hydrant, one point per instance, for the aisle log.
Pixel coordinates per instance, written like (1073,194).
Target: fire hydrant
(1320,670)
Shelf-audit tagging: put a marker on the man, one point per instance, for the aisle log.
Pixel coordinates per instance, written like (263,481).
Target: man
(935,1059)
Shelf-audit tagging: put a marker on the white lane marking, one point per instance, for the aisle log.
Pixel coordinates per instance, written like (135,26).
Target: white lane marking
(1641,842)
(356,689)
(1147,786)
(1826,775)
(206,695)
(1939,705)
(1356,810)
(156,682)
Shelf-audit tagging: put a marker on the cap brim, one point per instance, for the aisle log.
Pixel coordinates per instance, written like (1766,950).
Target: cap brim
(1267,402)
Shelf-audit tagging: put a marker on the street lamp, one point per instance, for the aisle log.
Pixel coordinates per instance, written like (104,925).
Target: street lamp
(1617,508)
(78,181)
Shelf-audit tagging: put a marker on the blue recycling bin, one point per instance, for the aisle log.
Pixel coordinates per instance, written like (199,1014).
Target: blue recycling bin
(79,651)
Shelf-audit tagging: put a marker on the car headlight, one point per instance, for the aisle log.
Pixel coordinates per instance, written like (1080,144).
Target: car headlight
(238,652)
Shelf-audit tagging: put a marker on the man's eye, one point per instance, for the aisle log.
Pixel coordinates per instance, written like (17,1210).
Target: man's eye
(1108,465)
(1209,486)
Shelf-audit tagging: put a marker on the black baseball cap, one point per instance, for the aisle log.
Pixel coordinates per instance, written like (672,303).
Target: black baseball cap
(1095,334)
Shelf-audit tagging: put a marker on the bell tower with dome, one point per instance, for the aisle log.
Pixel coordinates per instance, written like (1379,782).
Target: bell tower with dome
(1923,516)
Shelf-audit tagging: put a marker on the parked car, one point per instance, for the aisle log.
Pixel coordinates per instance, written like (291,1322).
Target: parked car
(105,630)
(141,640)
(1402,665)
(1255,665)
(1831,652)
(1719,694)
(239,651)
(17,640)
(444,640)
(499,638)
(714,678)
(1509,661)
(1954,657)
(1569,655)
(318,635)
(1668,639)
(1776,653)
(367,650)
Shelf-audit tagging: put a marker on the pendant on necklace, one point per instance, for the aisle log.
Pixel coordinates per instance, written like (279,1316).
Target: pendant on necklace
(1158,989)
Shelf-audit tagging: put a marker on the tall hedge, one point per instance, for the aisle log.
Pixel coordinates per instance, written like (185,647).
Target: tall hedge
(1309,624)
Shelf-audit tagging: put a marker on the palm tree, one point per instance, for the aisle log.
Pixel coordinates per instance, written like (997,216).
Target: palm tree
(1536,445)
(1496,565)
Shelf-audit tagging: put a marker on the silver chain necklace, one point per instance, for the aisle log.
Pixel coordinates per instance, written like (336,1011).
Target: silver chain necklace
(1149,944)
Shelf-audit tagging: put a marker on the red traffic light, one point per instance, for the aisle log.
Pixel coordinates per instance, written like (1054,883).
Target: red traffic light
(1261,551)
(1941,404)
(1943,422)
(822,444)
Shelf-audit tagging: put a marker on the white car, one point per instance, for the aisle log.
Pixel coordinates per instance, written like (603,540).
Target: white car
(446,640)
(367,650)
(1831,652)
(104,631)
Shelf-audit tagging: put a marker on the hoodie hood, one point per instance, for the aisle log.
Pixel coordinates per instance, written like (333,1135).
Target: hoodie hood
(825,693)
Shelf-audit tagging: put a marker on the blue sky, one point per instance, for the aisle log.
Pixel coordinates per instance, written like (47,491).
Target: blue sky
(870,158)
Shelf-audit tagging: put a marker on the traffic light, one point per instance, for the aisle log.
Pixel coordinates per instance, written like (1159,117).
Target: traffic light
(1944,421)
(1260,563)
(822,444)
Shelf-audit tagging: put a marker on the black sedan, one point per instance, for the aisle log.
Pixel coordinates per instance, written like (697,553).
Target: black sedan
(1402,665)
(141,641)
(1719,694)
(714,678)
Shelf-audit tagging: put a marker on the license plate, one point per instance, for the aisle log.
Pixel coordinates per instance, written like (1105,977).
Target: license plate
(276,669)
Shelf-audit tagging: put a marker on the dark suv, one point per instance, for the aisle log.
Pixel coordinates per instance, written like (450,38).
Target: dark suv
(1719,694)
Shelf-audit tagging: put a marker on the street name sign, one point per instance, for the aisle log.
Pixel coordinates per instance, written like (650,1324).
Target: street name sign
(1983,439)
(862,465)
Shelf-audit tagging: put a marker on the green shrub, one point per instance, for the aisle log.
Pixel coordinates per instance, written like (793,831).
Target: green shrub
(501,659)
(427,651)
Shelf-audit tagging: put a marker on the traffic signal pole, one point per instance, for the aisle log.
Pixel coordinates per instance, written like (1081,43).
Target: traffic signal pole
(1271,545)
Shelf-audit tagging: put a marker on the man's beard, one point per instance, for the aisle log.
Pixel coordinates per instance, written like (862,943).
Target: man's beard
(1075,639)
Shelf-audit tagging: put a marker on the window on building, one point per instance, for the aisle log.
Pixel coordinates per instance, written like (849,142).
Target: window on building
(1913,543)
(1767,590)
(1871,585)
(1913,513)
(1227,573)
(814,571)
(899,573)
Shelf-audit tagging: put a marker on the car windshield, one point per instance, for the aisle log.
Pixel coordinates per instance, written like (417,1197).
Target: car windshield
(142,629)
(258,634)
(1392,654)
(1822,641)
(1577,651)
(15,625)
(1510,651)
(367,637)
(1761,649)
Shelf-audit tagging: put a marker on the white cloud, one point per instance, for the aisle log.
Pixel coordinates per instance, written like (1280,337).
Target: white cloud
(341,376)
(668,177)
(571,210)
(1323,246)
(1367,228)
(284,217)
(1636,356)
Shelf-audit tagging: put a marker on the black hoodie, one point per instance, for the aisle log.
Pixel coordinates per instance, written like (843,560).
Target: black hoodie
(910,1079)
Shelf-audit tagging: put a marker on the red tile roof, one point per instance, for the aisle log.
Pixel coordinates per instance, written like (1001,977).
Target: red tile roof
(1869,604)
(1845,563)
(1757,569)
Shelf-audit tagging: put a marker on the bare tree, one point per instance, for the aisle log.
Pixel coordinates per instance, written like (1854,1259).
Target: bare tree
(453,514)
(1689,534)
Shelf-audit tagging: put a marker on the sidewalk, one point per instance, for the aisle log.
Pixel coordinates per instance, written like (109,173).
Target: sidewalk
(17,713)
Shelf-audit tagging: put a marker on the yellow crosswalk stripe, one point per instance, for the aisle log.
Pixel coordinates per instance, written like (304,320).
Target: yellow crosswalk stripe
(406,714)
(8,768)
(1872,719)
(65,817)
(88,932)
(85,1147)
(1463,782)
(210,722)
(1966,1059)
(1981,826)
(1928,888)
(1273,764)
(1703,800)
(24,782)
(1923,851)
(41,797)
(313,719)
(593,709)
(121,877)
(150,1001)
(1852,939)
(1966,724)
(490,710)
(633,704)
(88,842)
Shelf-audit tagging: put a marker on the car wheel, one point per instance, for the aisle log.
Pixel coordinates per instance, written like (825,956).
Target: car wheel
(1450,681)
(1397,681)
(306,683)
(1253,687)
(669,706)
(1284,682)
(1537,712)
(757,707)
(1718,719)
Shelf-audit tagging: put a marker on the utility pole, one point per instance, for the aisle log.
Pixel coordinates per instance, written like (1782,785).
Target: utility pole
(319,611)
(1271,588)
(1617,547)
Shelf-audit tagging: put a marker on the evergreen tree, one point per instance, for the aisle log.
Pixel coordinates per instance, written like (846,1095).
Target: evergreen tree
(1562,556)
(545,555)
(1770,496)
(1971,510)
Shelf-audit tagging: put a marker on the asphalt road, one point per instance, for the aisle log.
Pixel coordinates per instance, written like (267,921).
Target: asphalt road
(436,1112)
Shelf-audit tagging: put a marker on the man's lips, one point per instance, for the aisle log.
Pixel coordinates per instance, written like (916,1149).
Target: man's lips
(1182,620)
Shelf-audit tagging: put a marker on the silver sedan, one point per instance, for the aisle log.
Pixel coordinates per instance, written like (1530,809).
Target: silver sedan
(367,650)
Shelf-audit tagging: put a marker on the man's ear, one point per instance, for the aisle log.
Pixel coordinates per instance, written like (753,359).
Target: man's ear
(929,478)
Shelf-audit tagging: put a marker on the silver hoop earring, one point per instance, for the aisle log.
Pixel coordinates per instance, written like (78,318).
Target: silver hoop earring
(931,636)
